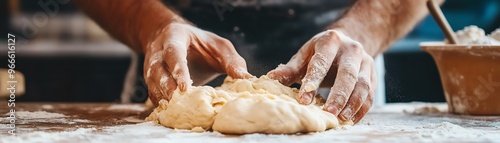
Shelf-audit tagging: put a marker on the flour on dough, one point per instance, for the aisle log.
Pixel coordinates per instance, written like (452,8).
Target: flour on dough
(242,106)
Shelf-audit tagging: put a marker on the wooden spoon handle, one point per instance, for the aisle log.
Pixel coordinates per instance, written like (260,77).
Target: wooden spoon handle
(438,16)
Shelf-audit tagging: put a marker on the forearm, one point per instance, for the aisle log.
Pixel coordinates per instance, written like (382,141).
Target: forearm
(131,22)
(376,24)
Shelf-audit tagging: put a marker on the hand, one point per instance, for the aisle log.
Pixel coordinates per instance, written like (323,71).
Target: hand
(332,58)
(182,54)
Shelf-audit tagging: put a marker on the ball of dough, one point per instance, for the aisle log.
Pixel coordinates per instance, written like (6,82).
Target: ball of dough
(241,106)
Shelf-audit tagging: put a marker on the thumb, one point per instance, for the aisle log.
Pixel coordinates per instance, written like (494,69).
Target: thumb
(295,69)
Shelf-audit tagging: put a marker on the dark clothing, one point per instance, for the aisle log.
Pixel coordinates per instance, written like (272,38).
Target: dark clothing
(265,32)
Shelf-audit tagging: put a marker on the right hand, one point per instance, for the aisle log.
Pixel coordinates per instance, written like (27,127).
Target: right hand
(182,55)
(332,59)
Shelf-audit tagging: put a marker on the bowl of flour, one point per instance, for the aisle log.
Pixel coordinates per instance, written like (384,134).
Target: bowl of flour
(469,71)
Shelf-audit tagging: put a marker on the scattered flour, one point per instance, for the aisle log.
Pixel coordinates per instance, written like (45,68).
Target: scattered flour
(37,115)
(428,108)
(27,117)
(135,107)
(417,108)
(448,130)
(383,124)
(46,137)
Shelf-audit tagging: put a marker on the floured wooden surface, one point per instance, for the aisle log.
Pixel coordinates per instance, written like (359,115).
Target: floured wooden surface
(79,122)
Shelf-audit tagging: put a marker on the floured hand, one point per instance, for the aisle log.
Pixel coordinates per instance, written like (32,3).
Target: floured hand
(182,55)
(332,59)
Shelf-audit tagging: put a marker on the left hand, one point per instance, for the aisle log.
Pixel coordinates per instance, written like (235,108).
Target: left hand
(335,60)
(182,55)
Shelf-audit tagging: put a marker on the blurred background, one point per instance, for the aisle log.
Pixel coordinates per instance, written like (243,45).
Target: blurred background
(67,57)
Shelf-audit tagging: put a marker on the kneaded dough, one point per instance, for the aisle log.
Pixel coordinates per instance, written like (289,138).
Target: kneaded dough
(242,106)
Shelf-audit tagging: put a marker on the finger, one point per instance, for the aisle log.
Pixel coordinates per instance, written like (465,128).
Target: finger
(361,90)
(162,88)
(364,108)
(175,56)
(367,104)
(325,50)
(295,68)
(231,62)
(237,68)
(154,93)
(158,79)
(347,76)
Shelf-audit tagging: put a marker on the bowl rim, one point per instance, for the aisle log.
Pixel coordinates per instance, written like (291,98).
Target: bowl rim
(439,45)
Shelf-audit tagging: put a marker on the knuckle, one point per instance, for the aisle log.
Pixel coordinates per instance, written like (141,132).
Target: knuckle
(174,25)
(327,35)
(340,96)
(368,59)
(357,44)
(173,44)
(369,100)
(356,47)
(364,83)
(349,75)
(224,42)
(170,47)
(332,35)
(342,100)
(355,100)
(330,32)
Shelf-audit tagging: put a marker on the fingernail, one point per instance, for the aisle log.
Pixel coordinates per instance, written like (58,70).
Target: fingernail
(346,114)
(182,87)
(309,87)
(248,75)
(305,99)
(271,74)
(332,110)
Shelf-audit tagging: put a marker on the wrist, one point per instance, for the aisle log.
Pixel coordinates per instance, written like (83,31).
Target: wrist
(150,32)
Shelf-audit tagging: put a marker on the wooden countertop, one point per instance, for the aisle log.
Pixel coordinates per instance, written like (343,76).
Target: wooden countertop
(90,115)
(112,122)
